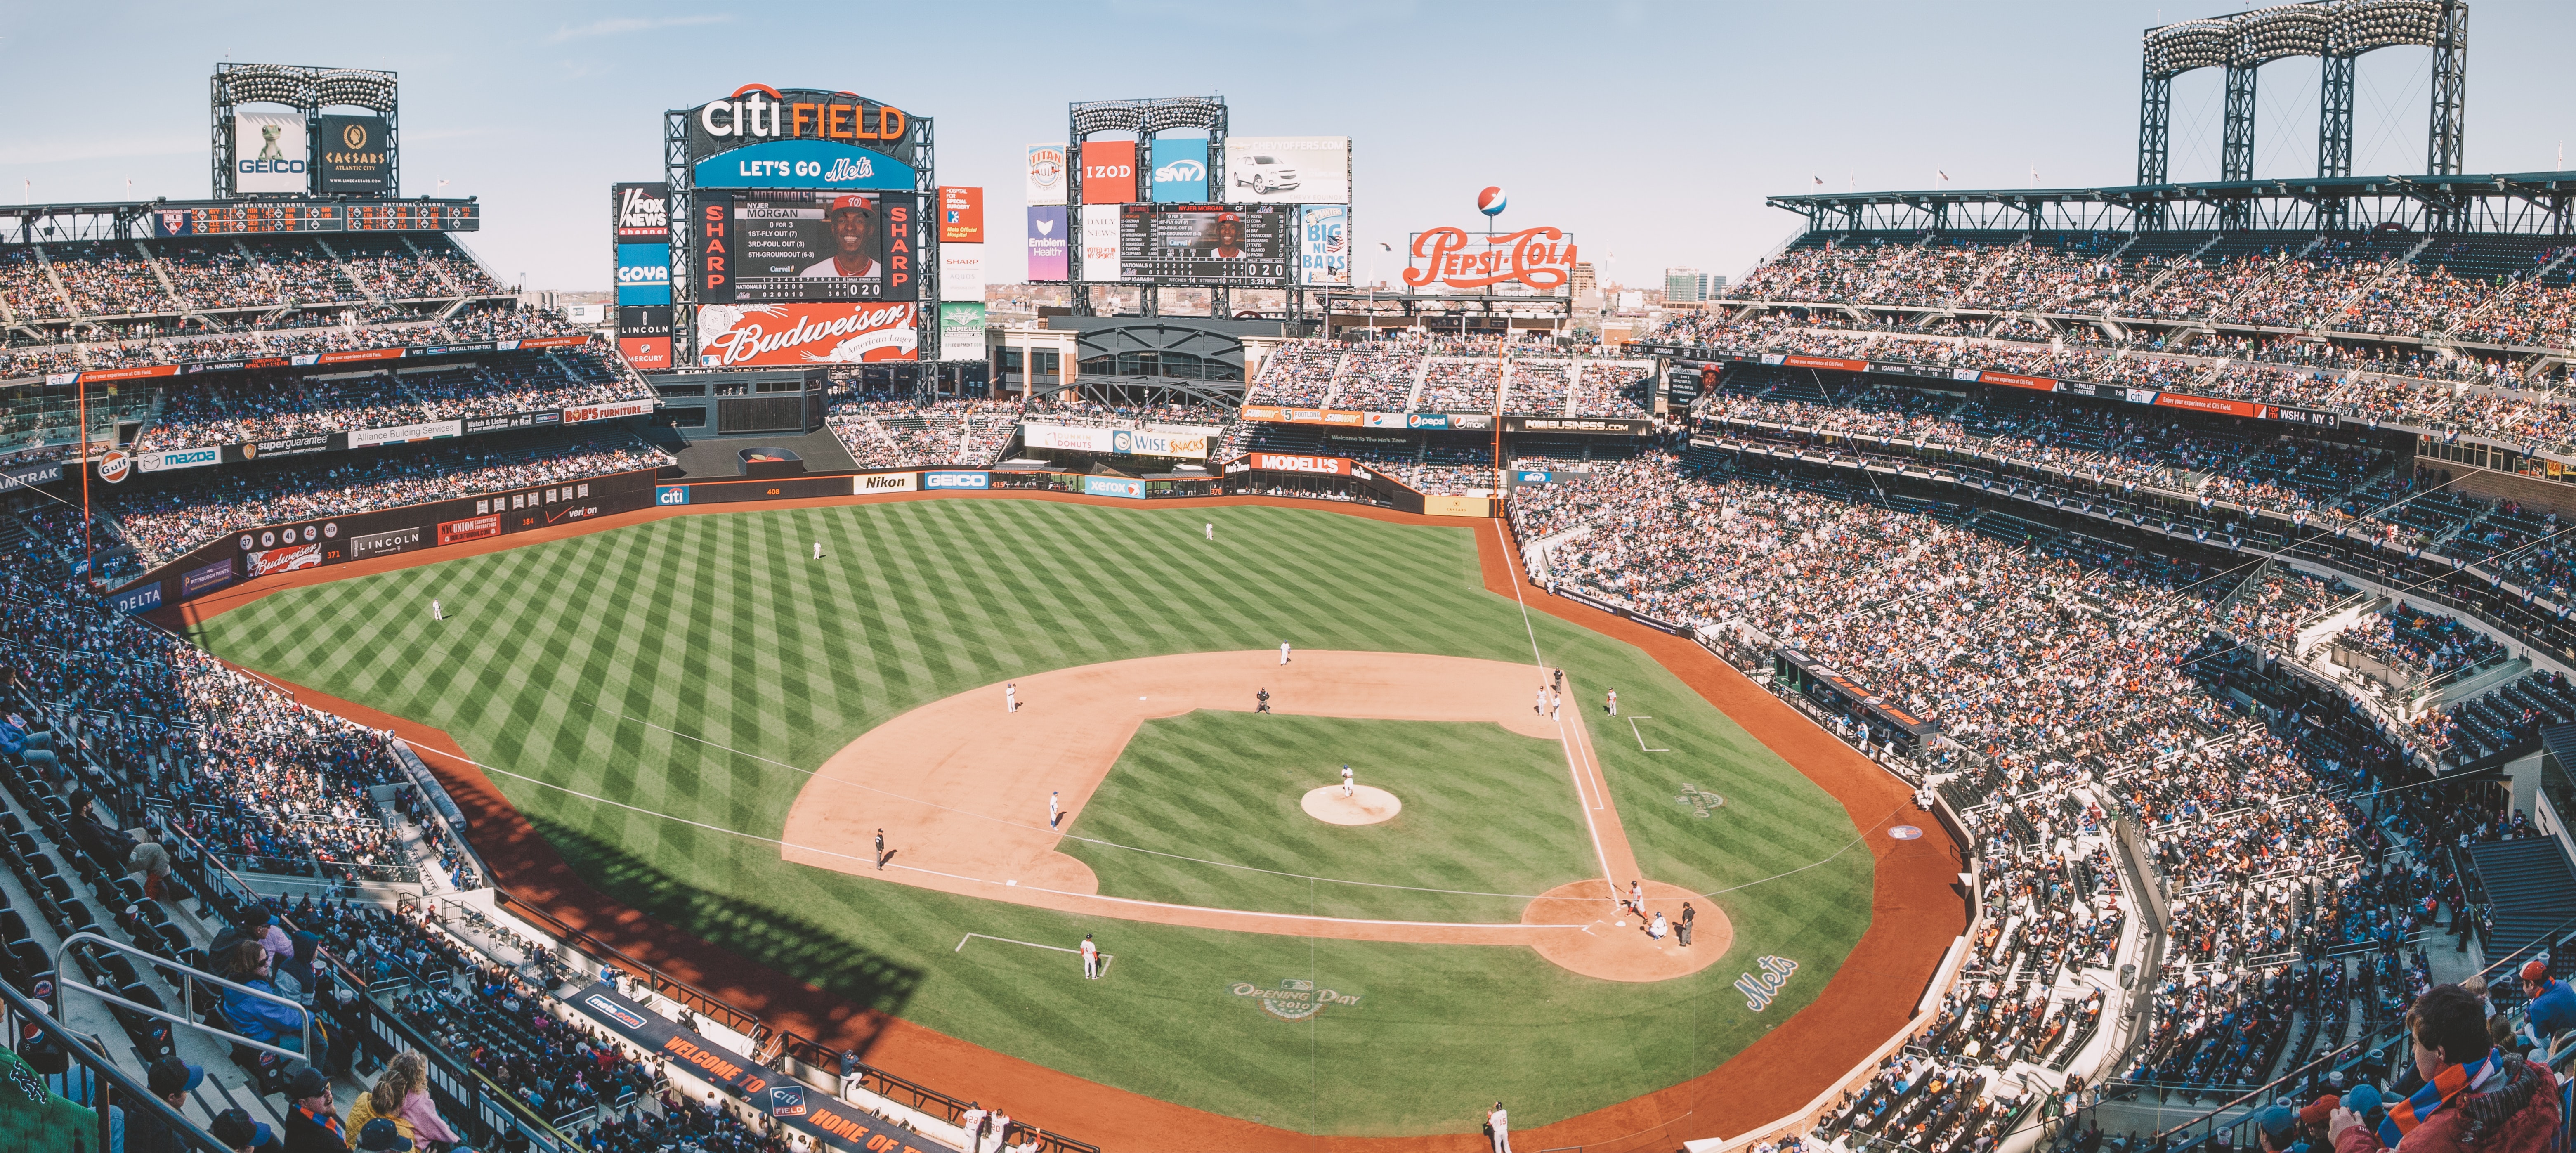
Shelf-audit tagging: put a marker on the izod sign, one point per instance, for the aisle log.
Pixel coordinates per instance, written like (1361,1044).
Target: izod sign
(1538,260)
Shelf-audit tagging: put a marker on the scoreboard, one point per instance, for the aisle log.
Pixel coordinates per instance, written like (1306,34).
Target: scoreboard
(1210,245)
(234,217)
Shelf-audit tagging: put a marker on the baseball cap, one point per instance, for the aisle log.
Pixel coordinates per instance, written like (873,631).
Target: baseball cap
(2535,970)
(2279,1123)
(2319,1110)
(857,203)
(170,1075)
(308,1083)
(235,1129)
(382,1135)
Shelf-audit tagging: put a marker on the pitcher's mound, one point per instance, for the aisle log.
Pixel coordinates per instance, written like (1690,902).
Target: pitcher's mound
(1367,806)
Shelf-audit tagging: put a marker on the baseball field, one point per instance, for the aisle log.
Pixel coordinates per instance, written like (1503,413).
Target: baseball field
(707,724)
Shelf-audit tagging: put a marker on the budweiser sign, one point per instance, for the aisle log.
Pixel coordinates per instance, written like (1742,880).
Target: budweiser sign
(799,334)
(1538,259)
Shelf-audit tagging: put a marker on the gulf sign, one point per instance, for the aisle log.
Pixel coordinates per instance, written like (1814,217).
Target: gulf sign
(1532,260)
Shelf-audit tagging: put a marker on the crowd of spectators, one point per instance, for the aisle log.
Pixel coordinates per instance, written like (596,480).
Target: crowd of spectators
(291,335)
(2420,644)
(162,524)
(888,430)
(238,408)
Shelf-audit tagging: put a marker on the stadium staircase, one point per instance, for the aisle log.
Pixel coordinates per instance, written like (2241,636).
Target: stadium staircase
(177,301)
(55,279)
(2531,889)
(347,275)
(1422,371)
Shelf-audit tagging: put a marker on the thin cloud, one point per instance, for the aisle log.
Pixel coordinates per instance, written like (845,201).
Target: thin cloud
(624,25)
(101,148)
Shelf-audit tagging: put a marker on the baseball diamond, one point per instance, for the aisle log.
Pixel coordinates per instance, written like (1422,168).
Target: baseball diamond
(724,775)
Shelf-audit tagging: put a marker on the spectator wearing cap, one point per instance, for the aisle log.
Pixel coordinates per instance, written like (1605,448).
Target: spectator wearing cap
(240,1134)
(2475,1097)
(2276,1130)
(383,1136)
(313,1125)
(2551,1008)
(171,1080)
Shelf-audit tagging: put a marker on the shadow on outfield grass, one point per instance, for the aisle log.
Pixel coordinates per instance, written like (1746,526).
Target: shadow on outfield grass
(761,957)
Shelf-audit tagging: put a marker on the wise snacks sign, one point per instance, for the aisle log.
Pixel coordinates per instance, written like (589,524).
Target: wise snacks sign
(1532,261)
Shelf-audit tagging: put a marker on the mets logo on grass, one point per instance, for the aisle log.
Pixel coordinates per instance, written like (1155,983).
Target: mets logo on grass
(1293,1000)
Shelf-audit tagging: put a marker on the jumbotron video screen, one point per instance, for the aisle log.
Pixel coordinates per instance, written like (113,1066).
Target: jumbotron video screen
(810,246)
(1204,244)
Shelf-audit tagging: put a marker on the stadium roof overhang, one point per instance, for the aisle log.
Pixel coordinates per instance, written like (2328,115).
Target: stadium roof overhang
(2535,202)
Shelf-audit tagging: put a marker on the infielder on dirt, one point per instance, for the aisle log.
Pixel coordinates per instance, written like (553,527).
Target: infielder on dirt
(1283,652)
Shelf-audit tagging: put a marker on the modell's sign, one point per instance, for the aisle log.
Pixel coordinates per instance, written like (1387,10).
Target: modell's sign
(1533,260)
(731,335)
(1283,462)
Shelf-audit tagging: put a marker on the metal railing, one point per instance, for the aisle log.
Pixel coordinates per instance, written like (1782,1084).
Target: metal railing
(107,1087)
(186,978)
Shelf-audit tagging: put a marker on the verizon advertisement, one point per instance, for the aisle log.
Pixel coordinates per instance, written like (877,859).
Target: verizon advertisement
(774,335)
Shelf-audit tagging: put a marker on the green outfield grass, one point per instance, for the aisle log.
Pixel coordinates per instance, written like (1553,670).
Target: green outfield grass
(1485,812)
(719,626)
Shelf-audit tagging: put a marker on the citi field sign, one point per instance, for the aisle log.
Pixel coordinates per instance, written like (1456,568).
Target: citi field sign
(758,113)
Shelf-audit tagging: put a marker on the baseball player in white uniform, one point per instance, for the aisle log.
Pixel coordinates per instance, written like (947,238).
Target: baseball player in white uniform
(1090,958)
(818,550)
(1055,808)
(1211,530)
(436,613)
(972,1121)
(1011,697)
(1346,782)
(1502,1125)
(1283,652)
(997,1132)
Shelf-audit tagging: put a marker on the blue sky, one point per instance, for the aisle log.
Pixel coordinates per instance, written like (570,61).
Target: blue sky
(1651,131)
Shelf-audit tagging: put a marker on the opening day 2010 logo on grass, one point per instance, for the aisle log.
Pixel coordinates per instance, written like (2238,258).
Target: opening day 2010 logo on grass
(1293,1000)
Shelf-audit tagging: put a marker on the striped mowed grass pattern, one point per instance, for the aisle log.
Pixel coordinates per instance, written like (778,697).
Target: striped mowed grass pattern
(693,670)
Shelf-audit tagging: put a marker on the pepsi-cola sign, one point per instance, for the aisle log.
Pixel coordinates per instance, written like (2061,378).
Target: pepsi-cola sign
(1531,261)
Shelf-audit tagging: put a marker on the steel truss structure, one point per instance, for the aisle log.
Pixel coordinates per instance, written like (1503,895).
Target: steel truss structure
(307,90)
(1145,118)
(2532,203)
(679,177)
(2339,32)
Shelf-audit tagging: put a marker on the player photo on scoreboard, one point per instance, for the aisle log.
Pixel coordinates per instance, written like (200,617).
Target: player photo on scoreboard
(796,245)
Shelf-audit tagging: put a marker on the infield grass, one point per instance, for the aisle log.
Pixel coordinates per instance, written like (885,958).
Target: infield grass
(720,627)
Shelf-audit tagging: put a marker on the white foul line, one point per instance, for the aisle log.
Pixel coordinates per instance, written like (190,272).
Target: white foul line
(1641,737)
(1105,958)
(1512,573)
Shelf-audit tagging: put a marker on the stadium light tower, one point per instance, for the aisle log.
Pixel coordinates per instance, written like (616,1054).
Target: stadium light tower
(2338,33)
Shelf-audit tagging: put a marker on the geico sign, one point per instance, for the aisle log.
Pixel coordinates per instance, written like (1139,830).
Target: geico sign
(1542,258)
(757,112)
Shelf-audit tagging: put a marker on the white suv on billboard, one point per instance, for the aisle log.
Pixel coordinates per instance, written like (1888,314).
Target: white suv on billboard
(1265,174)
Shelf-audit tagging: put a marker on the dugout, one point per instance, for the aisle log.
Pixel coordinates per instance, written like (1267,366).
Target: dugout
(1829,689)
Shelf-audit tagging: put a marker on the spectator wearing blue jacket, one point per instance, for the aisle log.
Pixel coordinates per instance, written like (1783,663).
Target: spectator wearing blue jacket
(2552,1007)
(259,1018)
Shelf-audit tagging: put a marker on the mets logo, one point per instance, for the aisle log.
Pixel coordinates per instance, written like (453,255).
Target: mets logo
(1293,1000)
(623,1015)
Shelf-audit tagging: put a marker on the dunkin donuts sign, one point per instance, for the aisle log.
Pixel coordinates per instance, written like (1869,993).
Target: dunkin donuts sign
(785,335)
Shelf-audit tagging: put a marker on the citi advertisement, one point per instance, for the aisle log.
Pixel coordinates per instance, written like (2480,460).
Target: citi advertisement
(1180,171)
(803,164)
(643,275)
(961,215)
(1324,245)
(269,152)
(785,335)
(1047,243)
(1108,171)
(957,480)
(1046,174)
